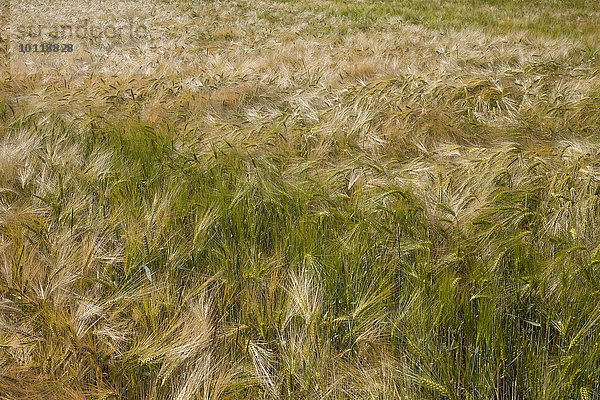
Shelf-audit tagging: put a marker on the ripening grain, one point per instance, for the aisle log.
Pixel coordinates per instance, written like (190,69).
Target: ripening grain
(303,200)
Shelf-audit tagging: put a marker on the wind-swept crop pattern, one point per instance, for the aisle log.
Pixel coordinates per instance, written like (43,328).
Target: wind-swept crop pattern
(307,200)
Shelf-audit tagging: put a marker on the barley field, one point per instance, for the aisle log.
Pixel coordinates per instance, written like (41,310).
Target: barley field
(301,199)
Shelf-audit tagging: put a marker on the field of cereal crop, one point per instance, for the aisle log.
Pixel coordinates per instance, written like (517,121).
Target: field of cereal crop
(299,199)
